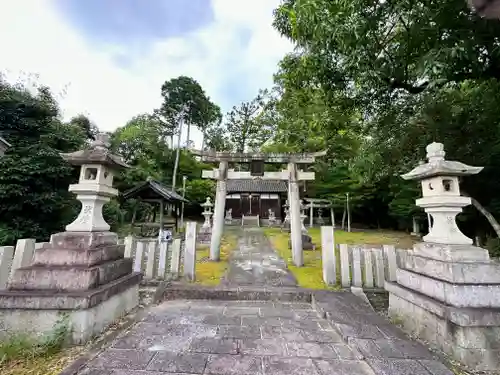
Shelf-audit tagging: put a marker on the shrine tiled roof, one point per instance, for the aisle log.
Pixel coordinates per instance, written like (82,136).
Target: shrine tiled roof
(256,186)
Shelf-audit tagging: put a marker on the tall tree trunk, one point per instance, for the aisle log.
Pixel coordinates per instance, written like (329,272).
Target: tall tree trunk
(187,135)
(203,141)
(177,156)
(487,215)
(343,219)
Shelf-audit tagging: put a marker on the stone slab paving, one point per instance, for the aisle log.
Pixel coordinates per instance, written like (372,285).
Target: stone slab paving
(263,337)
(254,262)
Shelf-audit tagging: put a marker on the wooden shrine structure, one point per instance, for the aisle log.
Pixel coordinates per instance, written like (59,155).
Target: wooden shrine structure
(250,197)
(291,176)
(154,192)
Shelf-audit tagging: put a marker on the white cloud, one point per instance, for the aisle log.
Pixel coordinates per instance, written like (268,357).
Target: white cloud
(39,40)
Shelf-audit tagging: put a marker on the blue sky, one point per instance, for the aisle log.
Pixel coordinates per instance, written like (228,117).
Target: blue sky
(109,58)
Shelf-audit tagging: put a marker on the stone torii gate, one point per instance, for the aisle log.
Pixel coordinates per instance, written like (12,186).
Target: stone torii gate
(257,161)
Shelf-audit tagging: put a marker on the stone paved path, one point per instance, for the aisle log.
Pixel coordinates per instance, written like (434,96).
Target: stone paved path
(255,263)
(336,334)
(253,338)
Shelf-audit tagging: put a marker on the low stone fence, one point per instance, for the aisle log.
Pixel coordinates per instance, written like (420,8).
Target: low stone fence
(12,258)
(357,265)
(155,260)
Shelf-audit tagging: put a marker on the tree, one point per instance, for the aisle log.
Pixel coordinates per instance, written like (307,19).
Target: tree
(243,125)
(140,138)
(217,139)
(34,179)
(394,45)
(212,119)
(89,129)
(184,101)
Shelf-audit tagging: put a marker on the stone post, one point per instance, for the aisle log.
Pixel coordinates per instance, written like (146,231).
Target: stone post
(328,255)
(295,220)
(447,291)
(6,257)
(220,206)
(190,251)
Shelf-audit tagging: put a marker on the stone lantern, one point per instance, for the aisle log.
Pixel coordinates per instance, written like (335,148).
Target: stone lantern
(205,234)
(285,225)
(95,185)
(82,273)
(441,194)
(445,290)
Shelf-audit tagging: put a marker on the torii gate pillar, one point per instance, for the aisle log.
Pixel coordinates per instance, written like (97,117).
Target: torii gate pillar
(257,160)
(219,210)
(295,220)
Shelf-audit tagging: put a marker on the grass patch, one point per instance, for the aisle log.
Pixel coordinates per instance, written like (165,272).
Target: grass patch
(311,274)
(210,273)
(23,355)
(370,237)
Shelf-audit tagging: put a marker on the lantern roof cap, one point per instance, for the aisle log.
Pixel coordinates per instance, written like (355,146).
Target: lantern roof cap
(97,153)
(437,165)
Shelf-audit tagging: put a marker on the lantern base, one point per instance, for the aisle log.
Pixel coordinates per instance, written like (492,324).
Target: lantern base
(90,218)
(83,276)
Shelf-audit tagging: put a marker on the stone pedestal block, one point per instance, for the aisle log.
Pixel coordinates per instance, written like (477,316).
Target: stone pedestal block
(306,242)
(454,305)
(80,276)
(204,235)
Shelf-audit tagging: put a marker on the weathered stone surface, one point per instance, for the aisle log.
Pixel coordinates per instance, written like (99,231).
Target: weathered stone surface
(397,367)
(337,367)
(255,263)
(68,278)
(123,359)
(458,295)
(451,253)
(454,272)
(474,345)
(289,366)
(221,364)
(50,300)
(189,363)
(187,337)
(83,240)
(67,257)
(273,330)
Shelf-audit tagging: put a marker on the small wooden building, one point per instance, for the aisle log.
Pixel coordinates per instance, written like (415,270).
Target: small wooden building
(251,197)
(154,192)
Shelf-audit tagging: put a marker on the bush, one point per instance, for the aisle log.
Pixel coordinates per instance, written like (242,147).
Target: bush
(493,246)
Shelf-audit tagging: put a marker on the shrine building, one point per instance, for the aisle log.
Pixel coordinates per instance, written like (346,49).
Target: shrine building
(251,197)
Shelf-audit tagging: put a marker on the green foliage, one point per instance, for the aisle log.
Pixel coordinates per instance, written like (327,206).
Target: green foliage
(245,128)
(198,190)
(493,246)
(184,98)
(34,201)
(373,83)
